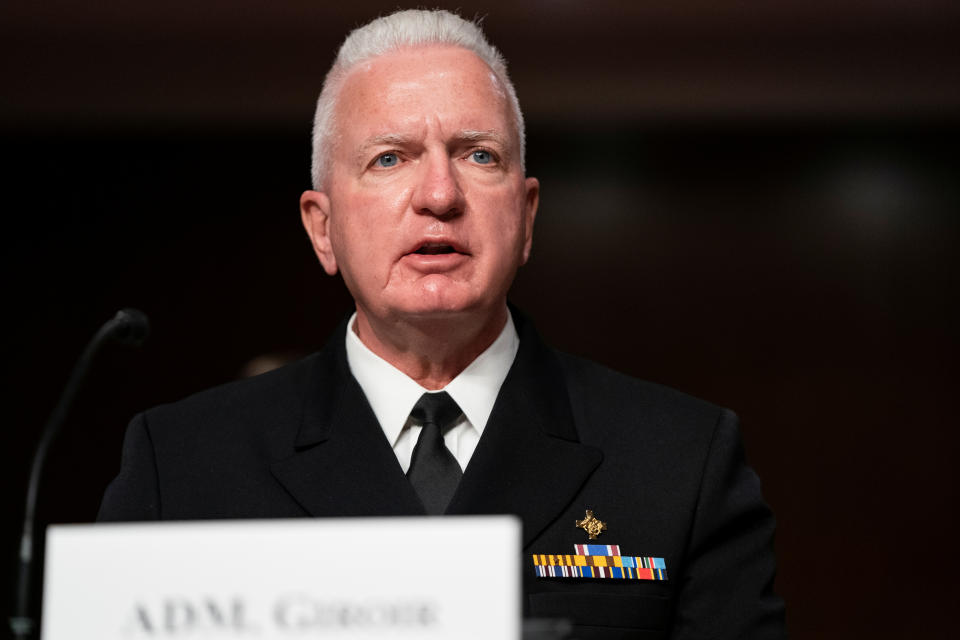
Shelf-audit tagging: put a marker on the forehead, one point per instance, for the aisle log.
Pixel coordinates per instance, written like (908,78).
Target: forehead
(416,88)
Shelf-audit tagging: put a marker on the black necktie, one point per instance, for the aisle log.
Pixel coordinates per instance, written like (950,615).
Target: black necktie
(434,472)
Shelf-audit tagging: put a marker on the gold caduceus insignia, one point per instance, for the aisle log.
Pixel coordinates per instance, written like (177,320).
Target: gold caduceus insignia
(592,525)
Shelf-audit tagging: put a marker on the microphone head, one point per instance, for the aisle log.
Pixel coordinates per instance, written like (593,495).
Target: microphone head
(131,326)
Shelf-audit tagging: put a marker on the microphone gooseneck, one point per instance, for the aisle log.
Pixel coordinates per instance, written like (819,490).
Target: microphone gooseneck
(128,326)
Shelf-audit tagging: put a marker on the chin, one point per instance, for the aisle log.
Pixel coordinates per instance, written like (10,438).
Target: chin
(445,298)
(433,300)
(439,310)
(441,307)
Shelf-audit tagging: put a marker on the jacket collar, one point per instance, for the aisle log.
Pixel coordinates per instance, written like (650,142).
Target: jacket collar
(529,461)
(342,464)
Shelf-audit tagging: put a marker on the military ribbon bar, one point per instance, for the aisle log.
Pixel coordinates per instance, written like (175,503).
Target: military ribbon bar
(597,549)
(585,564)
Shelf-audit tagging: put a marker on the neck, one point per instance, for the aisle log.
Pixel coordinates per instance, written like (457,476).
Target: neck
(431,351)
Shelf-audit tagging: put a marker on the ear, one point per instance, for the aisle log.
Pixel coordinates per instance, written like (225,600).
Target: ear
(530,202)
(315,214)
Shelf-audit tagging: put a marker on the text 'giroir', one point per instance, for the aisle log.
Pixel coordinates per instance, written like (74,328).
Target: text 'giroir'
(295,614)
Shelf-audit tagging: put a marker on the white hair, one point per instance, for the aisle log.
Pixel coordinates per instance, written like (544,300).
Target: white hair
(401,29)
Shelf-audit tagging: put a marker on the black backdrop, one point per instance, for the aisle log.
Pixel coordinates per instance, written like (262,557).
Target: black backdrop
(799,267)
(806,277)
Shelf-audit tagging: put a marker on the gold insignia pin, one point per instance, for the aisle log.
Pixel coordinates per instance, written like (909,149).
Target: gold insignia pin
(592,525)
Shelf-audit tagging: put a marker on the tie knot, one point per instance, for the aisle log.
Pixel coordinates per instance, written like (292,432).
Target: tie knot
(437,409)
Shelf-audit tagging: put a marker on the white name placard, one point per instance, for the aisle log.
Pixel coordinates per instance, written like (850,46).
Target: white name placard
(357,579)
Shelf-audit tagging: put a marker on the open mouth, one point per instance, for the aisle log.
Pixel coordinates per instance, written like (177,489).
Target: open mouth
(434,249)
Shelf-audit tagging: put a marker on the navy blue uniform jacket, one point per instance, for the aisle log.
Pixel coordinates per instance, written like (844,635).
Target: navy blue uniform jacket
(665,471)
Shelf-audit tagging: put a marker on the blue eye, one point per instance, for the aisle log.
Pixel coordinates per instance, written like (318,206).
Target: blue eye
(481,156)
(388,160)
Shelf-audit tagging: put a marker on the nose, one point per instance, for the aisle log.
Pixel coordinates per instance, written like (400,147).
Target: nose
(437,192)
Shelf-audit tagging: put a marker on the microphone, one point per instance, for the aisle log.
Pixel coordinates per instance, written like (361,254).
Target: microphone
(128,326)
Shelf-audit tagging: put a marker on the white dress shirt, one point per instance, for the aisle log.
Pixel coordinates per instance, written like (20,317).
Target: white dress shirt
(392,394)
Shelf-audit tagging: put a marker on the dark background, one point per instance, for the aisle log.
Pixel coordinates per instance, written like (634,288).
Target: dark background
(755,202)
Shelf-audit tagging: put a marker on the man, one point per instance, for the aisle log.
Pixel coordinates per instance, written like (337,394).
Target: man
(421,202)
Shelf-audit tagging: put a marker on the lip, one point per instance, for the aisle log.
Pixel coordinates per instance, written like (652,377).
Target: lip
(436,241)
(435,262)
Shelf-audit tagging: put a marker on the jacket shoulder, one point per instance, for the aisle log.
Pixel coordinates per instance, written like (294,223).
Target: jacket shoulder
(592,377)
(608,403)
(276,395)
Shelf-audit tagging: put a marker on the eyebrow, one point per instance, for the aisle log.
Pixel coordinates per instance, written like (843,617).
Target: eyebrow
(471,135)
(401,140)
(389,139)
(491,135)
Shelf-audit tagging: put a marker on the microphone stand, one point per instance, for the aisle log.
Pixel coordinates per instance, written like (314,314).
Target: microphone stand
(128,326)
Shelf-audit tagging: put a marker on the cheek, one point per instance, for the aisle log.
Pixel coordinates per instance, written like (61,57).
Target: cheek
(397,200)
(353,223)
(508,230)
(365,233)
(376,210)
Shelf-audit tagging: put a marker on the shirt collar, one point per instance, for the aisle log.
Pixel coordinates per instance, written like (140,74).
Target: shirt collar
(392,394)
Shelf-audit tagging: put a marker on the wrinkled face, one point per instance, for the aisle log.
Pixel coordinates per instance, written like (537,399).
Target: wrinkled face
(426,211)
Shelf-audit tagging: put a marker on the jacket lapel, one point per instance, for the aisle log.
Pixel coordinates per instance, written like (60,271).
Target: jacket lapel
(529,461)
(343,464)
